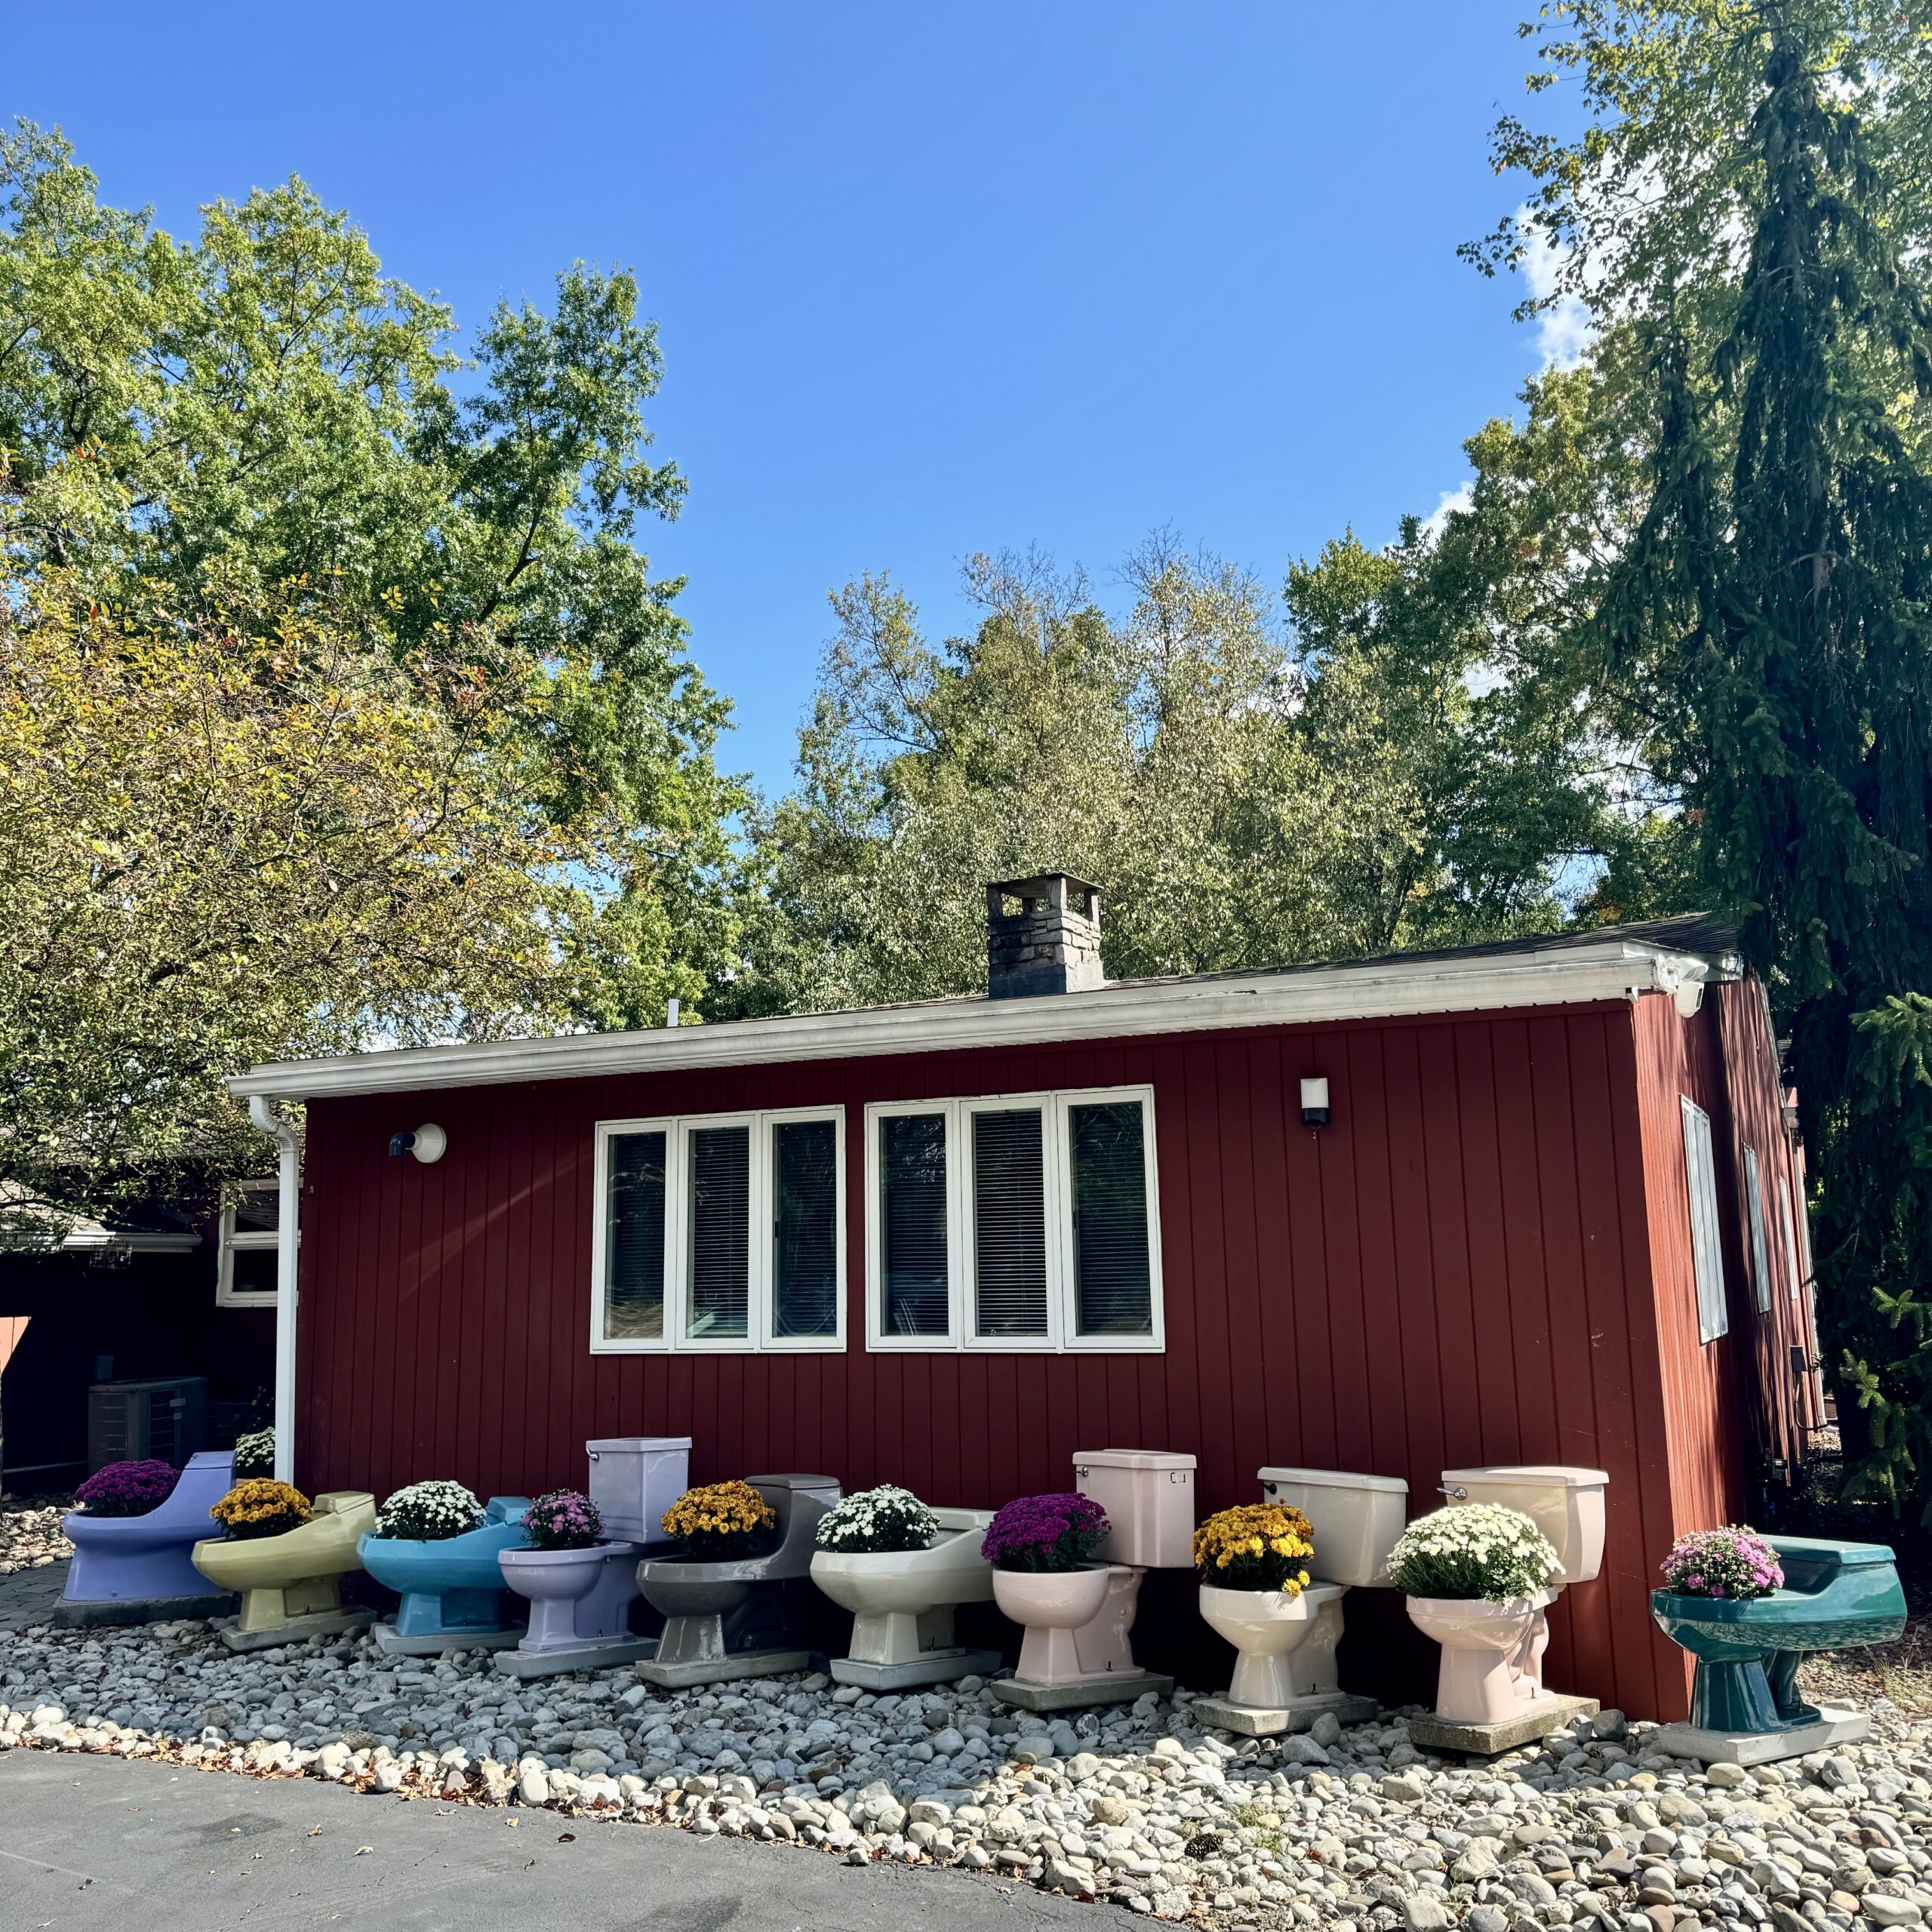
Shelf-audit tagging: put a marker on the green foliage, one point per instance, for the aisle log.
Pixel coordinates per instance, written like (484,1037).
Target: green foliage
(1749,221)
(261,408)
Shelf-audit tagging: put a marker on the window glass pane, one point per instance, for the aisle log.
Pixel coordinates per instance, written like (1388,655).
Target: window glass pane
(1113,1289)
(251,1272)
(912,1159)
(257,1210)
(804,1227)
(1792,1270)
(720,1199)
(1706,1248)
(1009,1224)
(1761,1258)
(633,1237)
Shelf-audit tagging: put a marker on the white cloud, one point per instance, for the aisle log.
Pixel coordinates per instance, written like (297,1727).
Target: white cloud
(1461,498)
(1564,332)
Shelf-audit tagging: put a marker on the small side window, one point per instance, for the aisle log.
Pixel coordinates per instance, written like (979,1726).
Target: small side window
(1706,1242)
(1760,1250)
(250,1224)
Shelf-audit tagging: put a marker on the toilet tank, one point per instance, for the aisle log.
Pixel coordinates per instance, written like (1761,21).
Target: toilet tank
(634,1479)
(1566,1504)
(1356,1518)
(1149,1495)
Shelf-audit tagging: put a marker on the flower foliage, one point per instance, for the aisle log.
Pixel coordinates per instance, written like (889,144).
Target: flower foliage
(564,1519)
(126,1489)
(877,1520)
(1471,1550)
(261,1507)
(1045,1533)
(1733,1561)
(1260,1546)
(254,1453)
(429,1512)
(720,1521)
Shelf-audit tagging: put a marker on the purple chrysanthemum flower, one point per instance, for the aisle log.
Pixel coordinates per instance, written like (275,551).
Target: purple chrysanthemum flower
(1045,1533)
(126,1489)
(564,1519)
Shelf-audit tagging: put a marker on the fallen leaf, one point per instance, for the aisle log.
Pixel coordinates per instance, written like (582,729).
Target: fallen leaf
(361,1848)
(315,1830)
(567,1837)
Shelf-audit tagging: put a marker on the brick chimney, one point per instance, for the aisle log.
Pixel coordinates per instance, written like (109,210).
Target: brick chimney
(1043,936)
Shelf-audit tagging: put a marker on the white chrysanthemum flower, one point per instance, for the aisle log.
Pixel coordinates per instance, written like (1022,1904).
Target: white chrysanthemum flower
(1471,1550)
(429,1512)
(876,1522)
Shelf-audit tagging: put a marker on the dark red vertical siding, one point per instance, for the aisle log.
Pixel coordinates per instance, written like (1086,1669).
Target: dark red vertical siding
(1458,1269)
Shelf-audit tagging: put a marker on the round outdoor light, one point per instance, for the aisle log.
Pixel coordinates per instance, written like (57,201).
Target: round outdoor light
(429,1143)
(1315,1103)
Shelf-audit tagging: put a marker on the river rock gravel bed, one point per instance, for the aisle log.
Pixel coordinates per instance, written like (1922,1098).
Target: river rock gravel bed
(1140,1807)
(30,1534)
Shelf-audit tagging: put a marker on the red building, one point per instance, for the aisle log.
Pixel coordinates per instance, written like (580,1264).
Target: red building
(1553,1214)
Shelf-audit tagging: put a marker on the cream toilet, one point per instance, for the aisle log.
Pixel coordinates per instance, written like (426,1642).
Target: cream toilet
(291,1584)
(903,1603)
(1567,1505)
(1285,1673)
(1078,1650)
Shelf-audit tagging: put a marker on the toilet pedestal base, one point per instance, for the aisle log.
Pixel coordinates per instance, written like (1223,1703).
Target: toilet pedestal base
(296,1629)
(720,1670)
(1835,1726)
(1550,1711)
(596,1653)
(437,1643)
(928,1667)
(87,1615)
(1297,1714)
(1081,1694)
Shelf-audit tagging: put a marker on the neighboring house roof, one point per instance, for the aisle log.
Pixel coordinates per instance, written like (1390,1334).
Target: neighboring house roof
(144,1228)
(1675,956)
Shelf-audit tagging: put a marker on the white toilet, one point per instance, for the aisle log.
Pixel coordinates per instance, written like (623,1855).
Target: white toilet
(1567,1504)
(1285,1673)
(1078,1649)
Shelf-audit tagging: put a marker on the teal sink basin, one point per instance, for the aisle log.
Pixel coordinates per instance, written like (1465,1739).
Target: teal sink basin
(1837,1596)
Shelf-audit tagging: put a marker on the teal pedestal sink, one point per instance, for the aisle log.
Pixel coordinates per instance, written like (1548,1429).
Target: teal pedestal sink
(1837,1596)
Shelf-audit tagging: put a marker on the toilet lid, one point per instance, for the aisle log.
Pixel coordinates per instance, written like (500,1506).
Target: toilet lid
(1550,1473)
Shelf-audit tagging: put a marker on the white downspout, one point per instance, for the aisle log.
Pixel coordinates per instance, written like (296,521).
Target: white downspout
(287,1236)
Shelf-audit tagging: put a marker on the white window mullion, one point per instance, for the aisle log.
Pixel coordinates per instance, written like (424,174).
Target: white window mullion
(1060,1223)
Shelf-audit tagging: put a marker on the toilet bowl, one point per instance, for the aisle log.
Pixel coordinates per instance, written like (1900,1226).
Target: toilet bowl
(1567,1505)
(903,1603)
(579,1609)
(1286,1671)
(291,1584)
(451,1587)
(141,1560)
(729,1619)
(1478,1680)
(1078,1648)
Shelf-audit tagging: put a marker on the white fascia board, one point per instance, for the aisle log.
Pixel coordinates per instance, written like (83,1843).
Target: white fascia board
(1569,976)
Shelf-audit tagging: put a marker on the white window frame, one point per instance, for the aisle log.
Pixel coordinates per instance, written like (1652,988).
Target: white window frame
(761,1311)
(1061,1338)
(1700,1182)
(1758,1235)
(255,1240)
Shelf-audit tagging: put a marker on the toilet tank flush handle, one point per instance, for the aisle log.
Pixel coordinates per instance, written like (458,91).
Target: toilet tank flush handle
(1455,1491)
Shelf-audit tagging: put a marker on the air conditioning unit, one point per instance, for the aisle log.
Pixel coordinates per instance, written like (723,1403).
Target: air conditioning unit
(133,1422)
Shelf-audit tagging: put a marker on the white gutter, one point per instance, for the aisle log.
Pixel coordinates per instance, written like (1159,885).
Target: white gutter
(1568,975)
(288,1237)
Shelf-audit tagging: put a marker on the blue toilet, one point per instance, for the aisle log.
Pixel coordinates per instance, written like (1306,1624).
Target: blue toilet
(452,1589)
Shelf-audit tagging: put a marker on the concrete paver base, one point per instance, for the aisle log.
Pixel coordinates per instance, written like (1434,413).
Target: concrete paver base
(1490,1740)
(934,1667)
(1835,1726)
(1252,1721)
(1082,1694)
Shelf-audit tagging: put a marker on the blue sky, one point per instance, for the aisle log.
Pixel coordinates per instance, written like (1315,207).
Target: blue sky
(929,279)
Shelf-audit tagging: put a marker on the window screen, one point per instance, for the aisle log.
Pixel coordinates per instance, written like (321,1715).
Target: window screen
(633,1237)
(1009,1224)
(1706,1245)
(1760,1253)
(719,1165)
(912,1233)
(1793,1273)
(804,1227)
(1113,1288)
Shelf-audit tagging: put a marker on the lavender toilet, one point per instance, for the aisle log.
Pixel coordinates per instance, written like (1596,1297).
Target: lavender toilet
(141,1564)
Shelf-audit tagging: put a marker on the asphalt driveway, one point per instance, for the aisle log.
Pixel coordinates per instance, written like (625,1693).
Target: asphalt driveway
(90,1842)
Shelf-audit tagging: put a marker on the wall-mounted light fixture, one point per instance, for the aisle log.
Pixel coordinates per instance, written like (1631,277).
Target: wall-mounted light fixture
(1315,1103)
(429,1143)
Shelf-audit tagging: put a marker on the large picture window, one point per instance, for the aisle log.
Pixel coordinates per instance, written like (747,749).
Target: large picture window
(726,1231)
(1706,1240)
(1026,1221)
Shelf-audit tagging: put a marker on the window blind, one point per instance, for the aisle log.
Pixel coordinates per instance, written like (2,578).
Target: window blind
(1009,1223)
(1706,1243)
(912,1158)
(804,1227)
(1761,1254)
(633,1237)
(718,1161)
(1112,1284)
